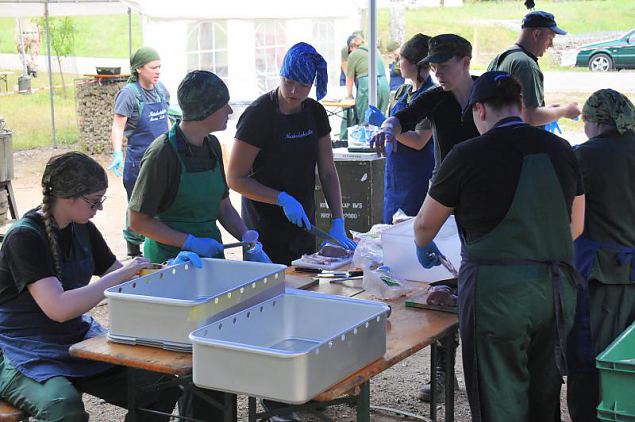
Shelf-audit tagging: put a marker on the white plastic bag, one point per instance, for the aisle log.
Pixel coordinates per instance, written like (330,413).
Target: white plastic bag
(383,284)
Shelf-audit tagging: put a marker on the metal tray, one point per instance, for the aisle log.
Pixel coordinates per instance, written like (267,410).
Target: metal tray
(291,347)
(162,308)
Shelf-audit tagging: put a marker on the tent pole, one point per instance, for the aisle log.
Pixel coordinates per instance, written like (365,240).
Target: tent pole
(48,49)
(129,33)
(372,53)
(22,47)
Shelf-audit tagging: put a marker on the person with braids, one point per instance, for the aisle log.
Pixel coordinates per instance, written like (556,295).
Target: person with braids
(47,261)
(517,195)
(280,139)
(604,253)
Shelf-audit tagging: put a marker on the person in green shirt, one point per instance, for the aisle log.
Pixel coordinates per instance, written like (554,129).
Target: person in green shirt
(357,74)
(181,191)
(605,251)
(521,61)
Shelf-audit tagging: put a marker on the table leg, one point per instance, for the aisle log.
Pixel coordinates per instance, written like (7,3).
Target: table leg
(252,409)
(434,351)
(132,396)
(448,349)
(363,403)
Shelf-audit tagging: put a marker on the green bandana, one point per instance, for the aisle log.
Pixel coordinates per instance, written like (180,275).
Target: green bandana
(610,107)
(141,57)
(72,175)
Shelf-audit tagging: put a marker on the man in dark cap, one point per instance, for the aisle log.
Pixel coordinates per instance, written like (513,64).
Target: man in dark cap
(181,191)
(521,61)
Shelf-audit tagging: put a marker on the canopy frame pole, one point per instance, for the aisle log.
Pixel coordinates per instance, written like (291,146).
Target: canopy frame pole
(372,53)
(51,89)
(23,53)
(129,32)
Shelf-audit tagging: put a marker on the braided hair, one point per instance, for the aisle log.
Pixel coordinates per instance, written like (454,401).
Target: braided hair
(69,175)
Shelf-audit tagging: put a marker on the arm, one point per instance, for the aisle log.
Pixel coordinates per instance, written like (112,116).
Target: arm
(240,163)
(540,116)
(416,139)
(230,219)
(429,220)
(116,134)
(577,216)
(329,178)
(150,227)
(349,86)
(61,306)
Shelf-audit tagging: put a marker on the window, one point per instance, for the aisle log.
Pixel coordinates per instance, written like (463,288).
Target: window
(207,48)
(269,52)
(324,43)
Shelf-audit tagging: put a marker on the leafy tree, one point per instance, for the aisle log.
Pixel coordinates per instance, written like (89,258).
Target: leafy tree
(62,32)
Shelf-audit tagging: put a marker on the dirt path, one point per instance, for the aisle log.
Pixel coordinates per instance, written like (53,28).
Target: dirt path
(396,388)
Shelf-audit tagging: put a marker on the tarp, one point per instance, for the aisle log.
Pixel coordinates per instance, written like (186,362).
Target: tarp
(27,8)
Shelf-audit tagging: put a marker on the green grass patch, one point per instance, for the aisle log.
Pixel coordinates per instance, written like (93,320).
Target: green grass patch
(96,36)
(29,115)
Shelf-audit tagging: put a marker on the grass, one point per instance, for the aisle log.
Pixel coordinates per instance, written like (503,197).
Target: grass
(96,36)
(32,129)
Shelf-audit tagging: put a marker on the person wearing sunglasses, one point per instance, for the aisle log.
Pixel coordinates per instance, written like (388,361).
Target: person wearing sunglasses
(47,261)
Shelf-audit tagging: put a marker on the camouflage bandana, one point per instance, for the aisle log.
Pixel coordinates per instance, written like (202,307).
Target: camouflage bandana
(72,175)
(200,94)
(610,107)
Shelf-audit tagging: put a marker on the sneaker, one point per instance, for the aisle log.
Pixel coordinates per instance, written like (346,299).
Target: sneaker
(425,394)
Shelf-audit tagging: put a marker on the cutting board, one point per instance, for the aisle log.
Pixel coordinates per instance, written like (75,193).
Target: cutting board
(419,301)
(332,266)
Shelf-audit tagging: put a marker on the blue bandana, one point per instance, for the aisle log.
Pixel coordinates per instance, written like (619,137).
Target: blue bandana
(304,64)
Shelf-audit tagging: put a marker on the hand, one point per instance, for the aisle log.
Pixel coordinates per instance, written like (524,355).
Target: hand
(293,210)
(117,163)
(186,256)
(572,111)
(428,255)
(553,127)
(132,267)
(256,254)
(383,137)
(374,116)
(339,232)
(203,246)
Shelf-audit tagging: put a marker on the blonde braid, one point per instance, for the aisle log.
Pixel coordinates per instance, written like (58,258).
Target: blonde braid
(51,231)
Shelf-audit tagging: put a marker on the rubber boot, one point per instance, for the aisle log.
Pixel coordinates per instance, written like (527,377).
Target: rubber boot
(425,394)
(134,249)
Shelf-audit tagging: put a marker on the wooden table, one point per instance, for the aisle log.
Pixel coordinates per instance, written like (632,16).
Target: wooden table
(338,107)
(409,330)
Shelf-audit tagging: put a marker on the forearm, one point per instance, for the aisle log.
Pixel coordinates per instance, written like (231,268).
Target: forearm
(230,219)
(393,123)
(349,86)
(155,229)
(414,138)
(116,139)
(429,220)
(540,116)
(333,193)
(253,189)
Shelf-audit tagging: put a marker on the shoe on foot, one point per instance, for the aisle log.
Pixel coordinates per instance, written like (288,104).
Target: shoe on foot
(270,405)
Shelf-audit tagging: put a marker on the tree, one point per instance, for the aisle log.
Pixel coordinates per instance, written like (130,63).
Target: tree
(62,32)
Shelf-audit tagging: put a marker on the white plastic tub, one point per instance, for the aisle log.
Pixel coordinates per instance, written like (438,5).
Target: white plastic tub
(161,309)
(291,347)
(400,253)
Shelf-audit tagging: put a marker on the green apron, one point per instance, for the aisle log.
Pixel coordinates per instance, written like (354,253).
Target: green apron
(517,301)
(194,210)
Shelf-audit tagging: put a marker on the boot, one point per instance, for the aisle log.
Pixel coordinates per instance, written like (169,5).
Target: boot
(425,394)
(134,249)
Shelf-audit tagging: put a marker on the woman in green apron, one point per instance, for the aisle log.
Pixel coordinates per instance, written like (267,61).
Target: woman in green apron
(518,199)
(46,264)
(181,191)
(605,253)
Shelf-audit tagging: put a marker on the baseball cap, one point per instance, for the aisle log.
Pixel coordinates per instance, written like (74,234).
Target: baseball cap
(486,87)
(542,20)
(445,46)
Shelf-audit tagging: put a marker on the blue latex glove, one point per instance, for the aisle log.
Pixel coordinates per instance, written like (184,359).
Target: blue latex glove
(293,210)
(186,256)
(428,255)
(374,116)
(117,163)
(339,232)
(203,246)
(256,254)
(553,127)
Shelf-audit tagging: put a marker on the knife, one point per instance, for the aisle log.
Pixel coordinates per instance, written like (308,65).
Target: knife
(340,274)
(448,265)
(317,232)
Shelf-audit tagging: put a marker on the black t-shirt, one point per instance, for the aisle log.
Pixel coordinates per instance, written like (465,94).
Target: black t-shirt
(26,256)
(288,144)
(478,178)
(449,127)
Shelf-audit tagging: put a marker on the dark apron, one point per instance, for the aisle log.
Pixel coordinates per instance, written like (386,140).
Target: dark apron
(408,172)
(35,344)
(283,240)
(195,207)
(516,302)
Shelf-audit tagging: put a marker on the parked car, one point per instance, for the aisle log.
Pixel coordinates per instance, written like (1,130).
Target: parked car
(609,55)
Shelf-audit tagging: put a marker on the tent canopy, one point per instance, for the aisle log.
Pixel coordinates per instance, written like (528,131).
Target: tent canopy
(26,8)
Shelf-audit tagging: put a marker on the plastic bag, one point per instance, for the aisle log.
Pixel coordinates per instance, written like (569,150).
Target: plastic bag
(381,283)
(359,136)
(369,253)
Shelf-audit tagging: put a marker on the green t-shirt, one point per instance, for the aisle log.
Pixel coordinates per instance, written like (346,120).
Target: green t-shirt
(160,173)
(358,63)
(525,68)
(423,124)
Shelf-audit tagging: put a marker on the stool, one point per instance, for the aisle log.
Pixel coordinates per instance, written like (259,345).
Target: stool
(13,207)
(9,413)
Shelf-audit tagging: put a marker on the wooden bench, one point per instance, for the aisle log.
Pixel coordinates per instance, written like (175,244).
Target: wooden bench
(9,413)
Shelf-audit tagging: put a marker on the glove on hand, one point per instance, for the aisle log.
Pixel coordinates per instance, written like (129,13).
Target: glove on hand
(374,116)
(293,210)
(117,163)
(553,127)
(428,255)
(203,246)
(186,256)
(339,232)
(254,254)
